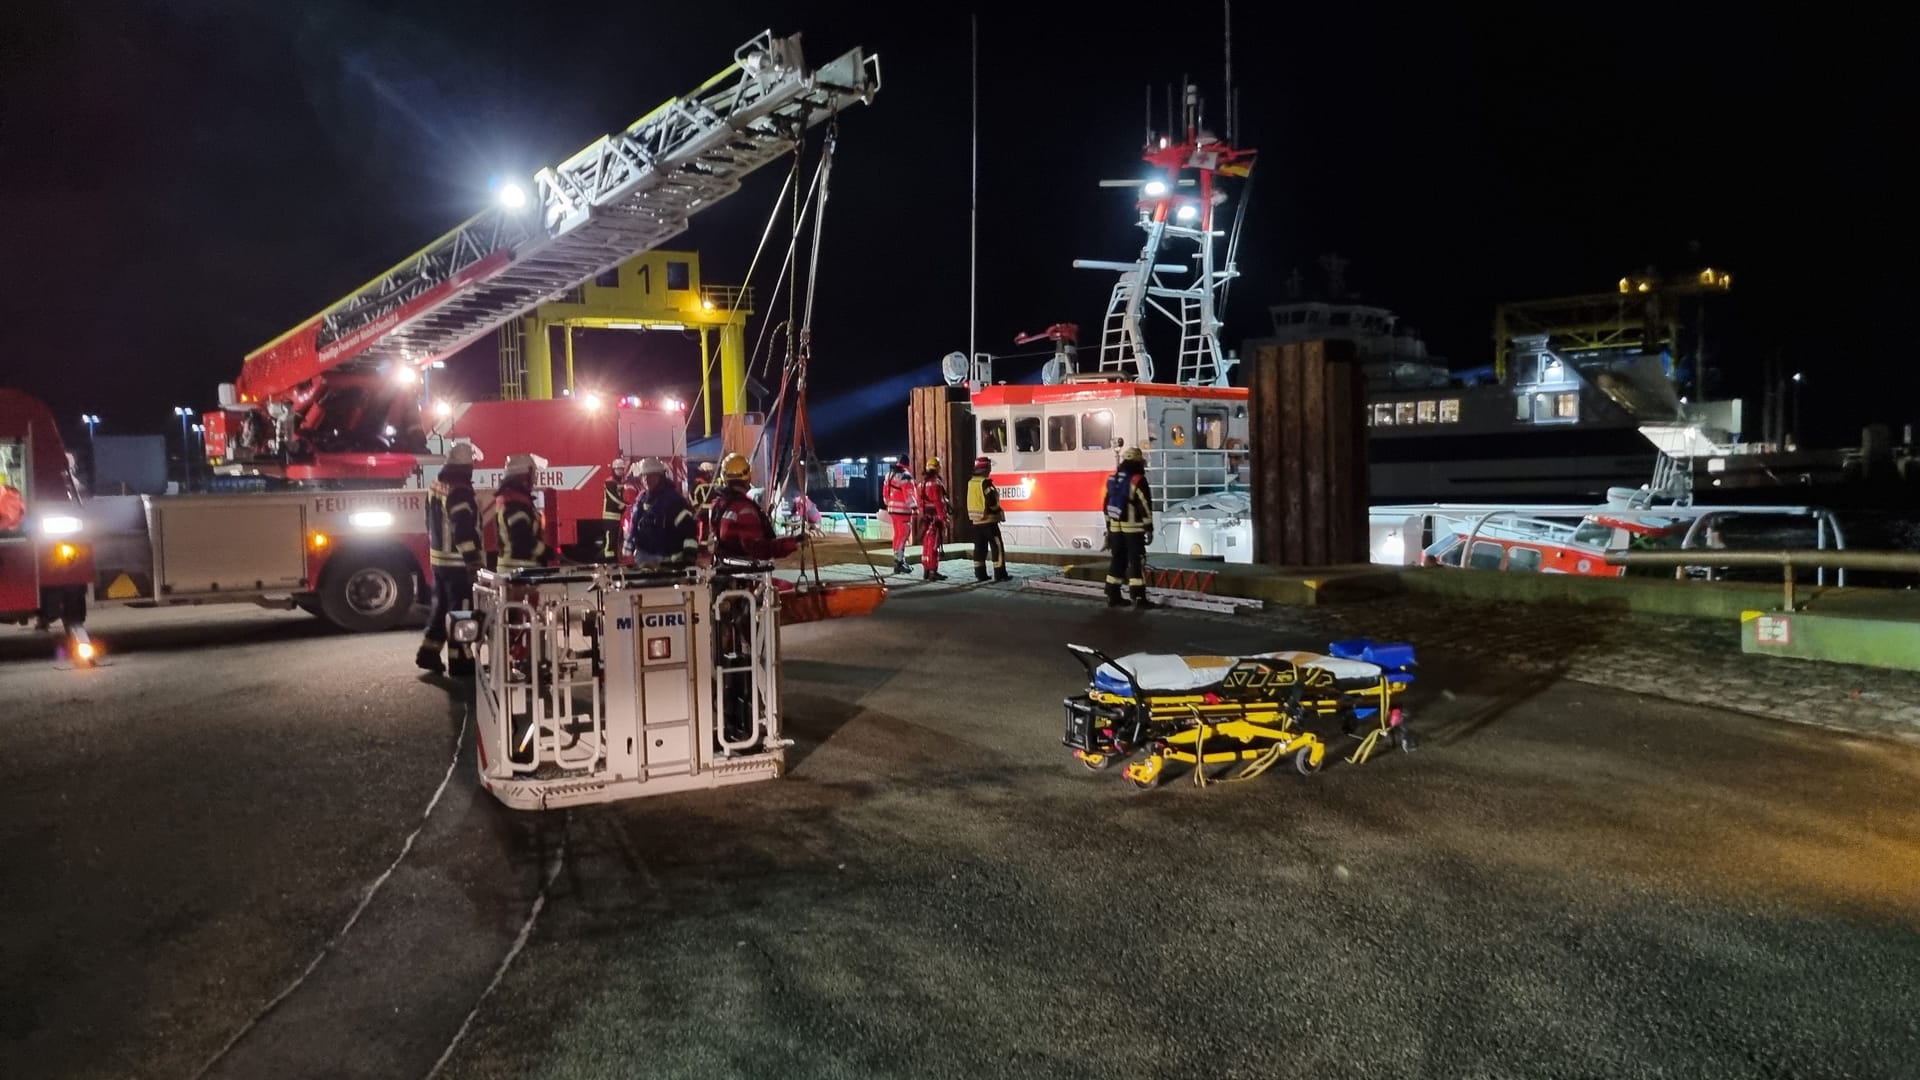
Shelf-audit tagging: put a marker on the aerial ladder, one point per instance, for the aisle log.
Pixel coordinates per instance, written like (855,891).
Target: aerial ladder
(335,399)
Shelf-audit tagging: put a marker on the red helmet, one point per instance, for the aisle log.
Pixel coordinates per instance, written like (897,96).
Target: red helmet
(982,464)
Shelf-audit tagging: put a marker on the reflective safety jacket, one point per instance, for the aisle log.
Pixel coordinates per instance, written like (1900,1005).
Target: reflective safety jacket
(983,502)
(1129,503)
(518,523)
(613,499)
(663,528)
(453,518)
(933,498)
(741,529)
(897,493)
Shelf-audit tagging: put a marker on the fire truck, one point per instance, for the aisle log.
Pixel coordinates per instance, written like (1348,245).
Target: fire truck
(322,442)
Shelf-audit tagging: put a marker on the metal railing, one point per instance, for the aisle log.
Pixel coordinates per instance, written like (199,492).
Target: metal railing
(1900,562)
(1179,475)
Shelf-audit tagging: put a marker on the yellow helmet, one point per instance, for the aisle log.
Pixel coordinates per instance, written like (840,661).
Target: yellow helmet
(735,467)
(933,463)
(1132,453)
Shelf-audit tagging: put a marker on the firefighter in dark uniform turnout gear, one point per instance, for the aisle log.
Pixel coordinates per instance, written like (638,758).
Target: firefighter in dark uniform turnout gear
(983,509)
(613,506)
(453,534)
(933,519)
(1129,509)
(897,495)
(740,529)
(517,519)
(663,531)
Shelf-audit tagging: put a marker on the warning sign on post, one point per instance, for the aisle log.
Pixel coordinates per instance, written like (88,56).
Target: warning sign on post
(1773,630)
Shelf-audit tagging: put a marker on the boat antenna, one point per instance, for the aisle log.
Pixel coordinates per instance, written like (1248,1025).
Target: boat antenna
(1149,116)
(1227,20)
(973,230)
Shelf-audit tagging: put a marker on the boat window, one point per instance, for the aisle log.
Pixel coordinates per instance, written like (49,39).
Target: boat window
(1486,556)
(1523,407)
(1428,412)
(1177,434)
(1450,411)
(1542,407)
(1592,532)
(1060,433)
(1524,559)
(1403,412)
(1567,406)
(1096,430)
(993,436)
(1026,434)
(1209,429)
(679,275)
(1383,414)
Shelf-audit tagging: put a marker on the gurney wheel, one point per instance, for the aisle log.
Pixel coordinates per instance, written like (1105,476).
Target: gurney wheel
(1145,775)
(1406,740)
(1303,762)
(1096,762)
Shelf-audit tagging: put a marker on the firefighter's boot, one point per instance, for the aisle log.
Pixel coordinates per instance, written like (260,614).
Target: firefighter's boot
(1000,574)
(428,659)
(899,565)
(1140,598)
(980,571)
(1113,595)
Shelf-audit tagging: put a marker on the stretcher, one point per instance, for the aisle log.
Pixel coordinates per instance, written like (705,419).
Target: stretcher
(1235,717)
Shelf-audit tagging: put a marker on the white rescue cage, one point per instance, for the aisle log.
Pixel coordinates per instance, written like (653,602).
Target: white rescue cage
(611,683)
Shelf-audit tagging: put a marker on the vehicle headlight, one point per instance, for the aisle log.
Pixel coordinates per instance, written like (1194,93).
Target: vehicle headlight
(59,525)
(465,628)
(370,519)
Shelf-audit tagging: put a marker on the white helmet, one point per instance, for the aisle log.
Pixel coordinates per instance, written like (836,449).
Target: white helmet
(520,464)
(462,453)
(649,465)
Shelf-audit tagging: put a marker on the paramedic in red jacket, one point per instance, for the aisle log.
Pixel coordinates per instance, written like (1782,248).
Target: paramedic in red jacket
(897,494)
(740,529)
(933,518)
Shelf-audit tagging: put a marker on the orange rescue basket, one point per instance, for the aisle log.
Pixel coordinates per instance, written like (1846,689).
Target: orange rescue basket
(839,601)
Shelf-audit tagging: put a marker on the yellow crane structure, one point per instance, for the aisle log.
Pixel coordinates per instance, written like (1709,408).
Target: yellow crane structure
(655,290)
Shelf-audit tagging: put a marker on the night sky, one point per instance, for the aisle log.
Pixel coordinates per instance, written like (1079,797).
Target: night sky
(186,180)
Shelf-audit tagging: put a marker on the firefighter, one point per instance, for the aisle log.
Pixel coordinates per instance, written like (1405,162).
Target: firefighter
(518,519)
(932,497)
(702,491)
(453,534)
(740,529)
(663,531)
(983,509)
(1129,510)
(897,495)
(613,506)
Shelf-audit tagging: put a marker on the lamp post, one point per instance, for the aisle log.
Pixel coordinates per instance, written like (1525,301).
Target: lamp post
(1794,438)
(186,449)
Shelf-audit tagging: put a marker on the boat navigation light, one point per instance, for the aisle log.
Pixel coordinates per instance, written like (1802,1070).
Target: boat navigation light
(1156,188)
(1189,212)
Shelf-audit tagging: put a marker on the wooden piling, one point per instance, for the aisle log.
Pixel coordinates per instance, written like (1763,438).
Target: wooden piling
(1307,427)
(940,424)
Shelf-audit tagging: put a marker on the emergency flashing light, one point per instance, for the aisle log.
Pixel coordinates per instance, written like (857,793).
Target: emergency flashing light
(59,525)
(405,375)
(591,401)
(670,405)
(317,541)
(85,651)
(370,519)
(442,409)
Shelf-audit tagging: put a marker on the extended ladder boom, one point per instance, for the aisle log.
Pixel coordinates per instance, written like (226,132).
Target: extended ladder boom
(623,195)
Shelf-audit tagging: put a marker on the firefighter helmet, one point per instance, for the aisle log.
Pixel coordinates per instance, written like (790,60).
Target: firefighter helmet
(933,463)
(651,465)
(735,467)
(1132,453)
(899,464)
(982,465)
(462,453)
(620,465)
(706,467)
(520,465)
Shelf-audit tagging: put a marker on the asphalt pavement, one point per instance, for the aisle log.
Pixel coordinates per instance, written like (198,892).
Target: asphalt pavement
(239,850)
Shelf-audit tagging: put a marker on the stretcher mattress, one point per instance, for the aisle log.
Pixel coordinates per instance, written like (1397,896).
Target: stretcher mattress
(1173,673)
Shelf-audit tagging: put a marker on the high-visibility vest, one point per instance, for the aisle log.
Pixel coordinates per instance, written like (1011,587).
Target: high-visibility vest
(452,534)
(983,502)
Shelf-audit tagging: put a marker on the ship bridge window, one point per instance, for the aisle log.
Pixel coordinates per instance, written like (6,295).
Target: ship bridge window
(1428,411)
(1524,559)
(1383,414)
(1026,434)
(1450,410)
(1210,429)
(1486,556)
(1096,430)
(679,275)
(1403,412)
(1060,433)
(1566,406)
(993,436)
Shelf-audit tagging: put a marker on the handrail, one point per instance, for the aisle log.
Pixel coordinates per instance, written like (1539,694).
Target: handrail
(1905,562)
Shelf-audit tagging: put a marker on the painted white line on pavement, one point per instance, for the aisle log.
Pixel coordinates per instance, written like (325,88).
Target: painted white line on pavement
(459,741)
(519,942)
